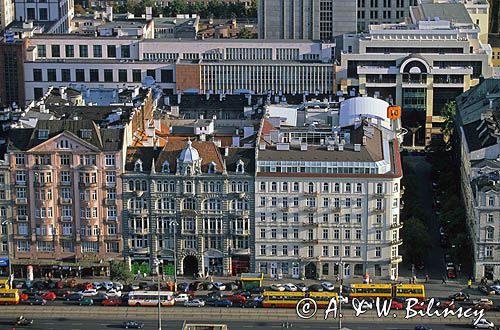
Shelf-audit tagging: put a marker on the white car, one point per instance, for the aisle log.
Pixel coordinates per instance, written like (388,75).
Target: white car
(89,293)
(483,301)
(327,286)
(118,286)
(114,293)
(107,285)
(484,324)
(290,287)
(219,286)
(181,298)
(277,287)
(194,303)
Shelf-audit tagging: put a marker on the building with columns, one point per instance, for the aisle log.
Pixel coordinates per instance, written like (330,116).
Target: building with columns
(329,194)
(191,200)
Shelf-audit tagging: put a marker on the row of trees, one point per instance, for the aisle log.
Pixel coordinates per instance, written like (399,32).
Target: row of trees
(212,9)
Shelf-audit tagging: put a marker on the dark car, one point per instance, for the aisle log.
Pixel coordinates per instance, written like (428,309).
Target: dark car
(74,297)
(208,286)
(301,287)
(250,303)
(183,287)
(486,289)
(100,297)
(258,290)
(196,286)
(38,285)
(36,301)
(86,302)
(247,294)
(422,327)
(316,288)
(223,303)
(132,325)
(459,296)
(231,286)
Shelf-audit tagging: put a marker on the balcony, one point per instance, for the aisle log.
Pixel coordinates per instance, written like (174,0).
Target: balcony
(397,242)
(309,224)
(378,210)
(88,184)
(186,213)
(139,250)
(311,194)
(42,183)
(240,252)
(138,212)
(310,240)
(396,259)
(285,209)
(65,200)
(20,183)
(396,225)
(110,184)
(335,208)
(65,183)
(23,200)
(240,212)
(378,195)
(310,209)
(241,232)
(22,218)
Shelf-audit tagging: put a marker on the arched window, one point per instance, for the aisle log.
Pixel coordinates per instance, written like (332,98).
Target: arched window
(379,188)
(212,205)
(325,187)
(396,187)
(490,233)
(240,167)
(347,187)
(171,186)
(189,187)
(359,187)
(188,170)
(165,167)
(262,186)
(212,186)
(137,204)
(212,168)
(311,187)
(131,185)
(240,186)
(336,188)
(245,186)
(233,186)
(166,204)
(138,166)
(239,204)
(189,204)
(144,185)
(273,186)
(138,185)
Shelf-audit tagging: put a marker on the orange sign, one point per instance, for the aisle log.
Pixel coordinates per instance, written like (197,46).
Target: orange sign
(394,112)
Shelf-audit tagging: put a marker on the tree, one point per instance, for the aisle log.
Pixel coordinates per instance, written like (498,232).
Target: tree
(79,10)
(245,33)
(448,113)
(415,239)
(119,271)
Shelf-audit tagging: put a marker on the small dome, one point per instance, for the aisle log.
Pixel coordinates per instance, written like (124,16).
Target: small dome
(189,154)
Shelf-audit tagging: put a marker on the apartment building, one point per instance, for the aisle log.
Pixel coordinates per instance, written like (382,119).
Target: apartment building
(6,13)
(6,247)
(189,203)
(306,20)
(177,66)
(329,195)
(55,14)
(375,12)
(418,66)
(66,186)
(478,121)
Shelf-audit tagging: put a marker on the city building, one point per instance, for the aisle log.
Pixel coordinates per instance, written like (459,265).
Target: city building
(56,14)
(494,40)
(375,12)
(6,220)
(327,195)
(309,19)
(478,124)
(12,86)
(191,203)
(178,66)
(6,13)
(419,65)
(66,187)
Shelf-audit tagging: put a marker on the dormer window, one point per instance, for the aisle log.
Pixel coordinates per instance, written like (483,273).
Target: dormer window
(138,166)
(188,170)
(212,168)
(240,167)
(43,134)
(65,144)
(86,133)
(165,168)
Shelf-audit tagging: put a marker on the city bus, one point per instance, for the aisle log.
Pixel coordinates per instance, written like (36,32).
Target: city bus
(4,284)
(150,298)
(9,297)
(291,299)
(387,291)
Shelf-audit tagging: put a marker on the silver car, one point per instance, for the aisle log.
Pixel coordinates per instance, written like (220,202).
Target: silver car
(194,303)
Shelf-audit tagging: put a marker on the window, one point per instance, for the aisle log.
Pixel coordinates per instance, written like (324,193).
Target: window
(97,50)
(310,251)
(325,233)
(111,50)
(488,251)
(122,75)
(23,245)
(491,201)
(79,75)
(22,229)
(359,187)
(43,134)
(125,51)
(110,160)
(136,76)
(37,75)
(165,167)
(347,251)
(336,188)
(295,186)
(43,14)
(347,187)
(167,76)
(51,75)
(67,229)
(490,233)
(94,75)
(65,75)
(110,177)
(490,217)
(325,251)
(42,50)
(262,250)
(70,51)
(138,166)
(325,187)
(378,234)
(20,159)
(56,51)
(108,75)
(212,168)
(84,51)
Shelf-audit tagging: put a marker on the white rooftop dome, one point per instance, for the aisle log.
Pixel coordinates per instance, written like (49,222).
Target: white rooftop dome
(351,110)
(189,154)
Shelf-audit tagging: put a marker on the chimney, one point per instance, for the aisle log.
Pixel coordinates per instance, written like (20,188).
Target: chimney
(490,107)
(109,13)
(149,13)
(226,152)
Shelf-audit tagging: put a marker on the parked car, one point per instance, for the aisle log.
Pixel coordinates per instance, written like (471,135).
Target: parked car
(86,301)
(483,301)
(49,295)
(316,288)
(301,287)
(111,302)
(396,305)
(422,305)
(183,287)
(496,288)
(277,287)
(251,303)
(459,296)
(74,297)
(132,325)
(114,293)
(36,301)
(100,297)
(196,286)
(223,303)
(219,286)
(194,303)
(71,283)
(327,286)
(247,294)
(60,284)
(89,293)
(483,324)
(258,290)
(422,327)
(447,304)
(290,287)
(486,289)
(107,285)
(482,306)
(232,286)
(96,285)
(237,299)
(208,286)
(181,298)
(135,286)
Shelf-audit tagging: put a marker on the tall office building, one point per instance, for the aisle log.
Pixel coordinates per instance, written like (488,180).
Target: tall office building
(306,19)
(6,13)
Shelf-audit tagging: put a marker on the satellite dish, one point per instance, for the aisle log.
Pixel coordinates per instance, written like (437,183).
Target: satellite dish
(148,81)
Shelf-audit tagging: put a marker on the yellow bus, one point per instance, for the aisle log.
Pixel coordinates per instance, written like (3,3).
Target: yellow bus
(9,297)
(291,299)
(387,291)
(4,284)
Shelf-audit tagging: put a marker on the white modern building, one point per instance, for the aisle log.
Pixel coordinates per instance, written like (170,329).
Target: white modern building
(56,13)
(419,66)
(329,194)
(6,13)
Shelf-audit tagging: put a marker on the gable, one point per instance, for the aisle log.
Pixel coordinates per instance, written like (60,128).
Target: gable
(65,141)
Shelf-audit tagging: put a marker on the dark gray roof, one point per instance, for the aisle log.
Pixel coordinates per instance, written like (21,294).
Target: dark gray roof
(472,103)
(453,12)
(246,155)
(474,141)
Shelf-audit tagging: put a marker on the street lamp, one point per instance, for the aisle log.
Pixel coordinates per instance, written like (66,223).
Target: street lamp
(7,223)
(157,263)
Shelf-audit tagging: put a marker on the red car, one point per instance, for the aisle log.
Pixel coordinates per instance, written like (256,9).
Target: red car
(23,296)
(87,286)
(447,304)
(112,302)
(237,298)
(396,305)
(49,295)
